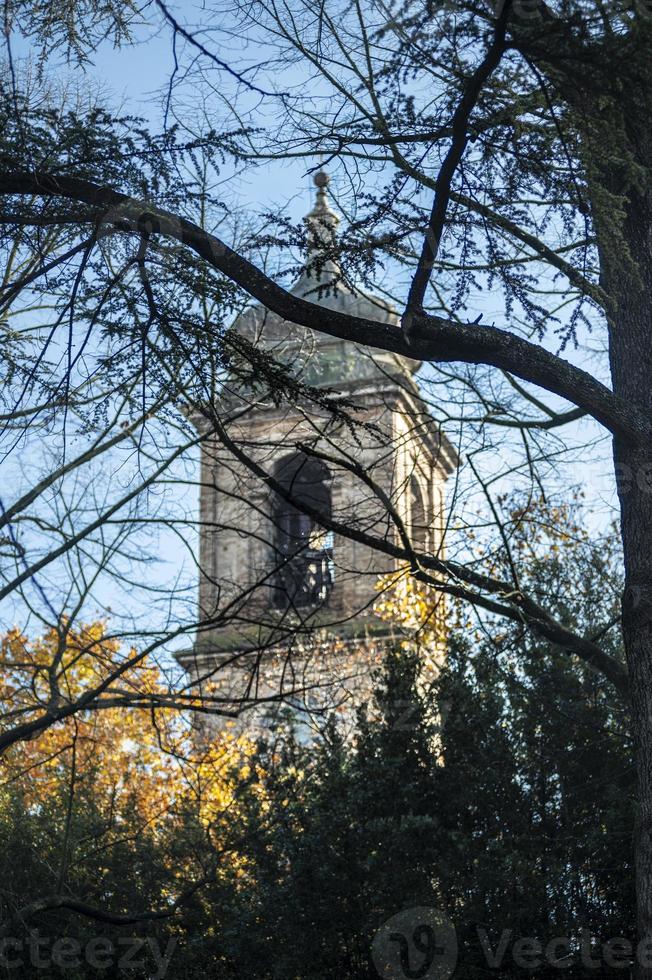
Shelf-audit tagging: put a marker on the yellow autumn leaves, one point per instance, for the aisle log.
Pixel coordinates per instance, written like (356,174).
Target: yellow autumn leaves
(126,750)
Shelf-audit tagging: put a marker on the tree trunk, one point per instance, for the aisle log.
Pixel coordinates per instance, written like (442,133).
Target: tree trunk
(636,509)
(631,369)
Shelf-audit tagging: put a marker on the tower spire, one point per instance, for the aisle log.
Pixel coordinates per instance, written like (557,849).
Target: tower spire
(321,222)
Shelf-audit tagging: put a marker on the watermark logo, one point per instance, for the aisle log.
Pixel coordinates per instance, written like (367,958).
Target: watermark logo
(43,953)
(415,944)
(421,944)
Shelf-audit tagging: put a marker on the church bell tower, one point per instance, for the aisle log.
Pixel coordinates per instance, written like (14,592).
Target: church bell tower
(287,603)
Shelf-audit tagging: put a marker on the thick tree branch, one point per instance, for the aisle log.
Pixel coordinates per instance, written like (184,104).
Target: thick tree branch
(460,127)
(432,338)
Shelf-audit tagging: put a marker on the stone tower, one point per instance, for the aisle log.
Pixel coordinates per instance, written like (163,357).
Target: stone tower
(288,604)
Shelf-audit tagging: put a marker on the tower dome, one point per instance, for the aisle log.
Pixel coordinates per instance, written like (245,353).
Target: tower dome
(318,358)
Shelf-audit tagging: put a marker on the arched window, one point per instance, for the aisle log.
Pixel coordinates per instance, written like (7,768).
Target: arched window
(303,549)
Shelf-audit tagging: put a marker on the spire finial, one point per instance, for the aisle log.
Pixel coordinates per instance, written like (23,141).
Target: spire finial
(322,213)
(321,180)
